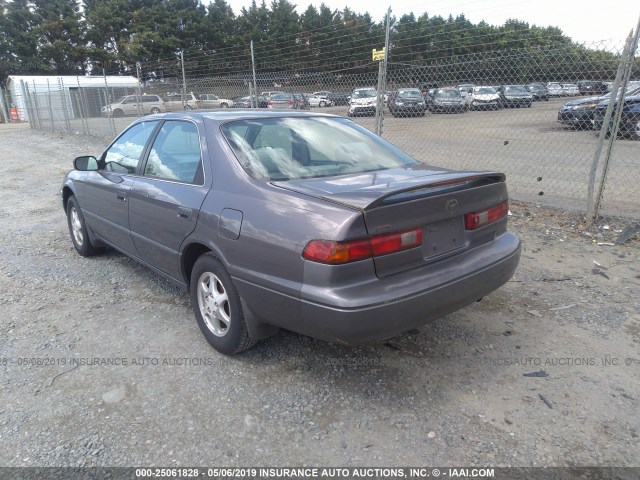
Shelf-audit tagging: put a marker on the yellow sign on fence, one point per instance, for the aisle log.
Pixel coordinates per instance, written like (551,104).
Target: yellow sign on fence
(377,54)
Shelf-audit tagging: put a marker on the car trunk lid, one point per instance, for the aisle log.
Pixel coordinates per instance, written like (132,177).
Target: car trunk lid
(430,199)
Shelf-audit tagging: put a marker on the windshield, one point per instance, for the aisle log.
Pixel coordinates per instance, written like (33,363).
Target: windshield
(484,90)
(409,93)
(364,94)
(515,89)
(448,93)
(294,148)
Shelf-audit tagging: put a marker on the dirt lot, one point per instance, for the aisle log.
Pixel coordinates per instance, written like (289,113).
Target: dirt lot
(103,364)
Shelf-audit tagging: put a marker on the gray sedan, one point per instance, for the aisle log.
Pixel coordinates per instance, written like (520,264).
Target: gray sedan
(300,221)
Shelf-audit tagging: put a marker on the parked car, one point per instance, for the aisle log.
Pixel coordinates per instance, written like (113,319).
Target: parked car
(515,96)
(288,101)
(629,126)
(316,101)
(245,102)
(554,90)
(570,89)
(133,105)
(580,113)
(268,94)
(335,98)
(590,87)
(363,102)
(483,98)
(302,102)
(293,220)
(465,88)
(538,91)
(173,102)
(446,100)
(406,102)
(208,100)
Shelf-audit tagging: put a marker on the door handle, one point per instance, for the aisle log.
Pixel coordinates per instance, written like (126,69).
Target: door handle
(122,197)
(184,213)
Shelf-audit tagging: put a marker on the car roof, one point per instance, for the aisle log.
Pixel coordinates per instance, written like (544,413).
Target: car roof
(234,114)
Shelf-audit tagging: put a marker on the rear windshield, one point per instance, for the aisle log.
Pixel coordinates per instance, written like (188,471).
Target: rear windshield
(282,96)
(311,147)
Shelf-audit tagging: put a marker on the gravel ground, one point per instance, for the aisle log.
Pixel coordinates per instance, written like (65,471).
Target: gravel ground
(103,364)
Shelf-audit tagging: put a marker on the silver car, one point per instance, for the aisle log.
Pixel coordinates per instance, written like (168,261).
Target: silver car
(293,220)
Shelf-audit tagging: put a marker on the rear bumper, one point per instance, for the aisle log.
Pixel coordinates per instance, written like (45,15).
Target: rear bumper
(393,305)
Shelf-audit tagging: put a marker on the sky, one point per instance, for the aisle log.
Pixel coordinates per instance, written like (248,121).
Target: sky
(583,20)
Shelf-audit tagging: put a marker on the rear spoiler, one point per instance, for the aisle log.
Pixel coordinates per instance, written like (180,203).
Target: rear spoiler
(463,182)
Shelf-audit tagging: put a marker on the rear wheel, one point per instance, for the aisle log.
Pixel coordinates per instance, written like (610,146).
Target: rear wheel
(155,110)
(224,105)
(322,103)
(216,304)
(118,113)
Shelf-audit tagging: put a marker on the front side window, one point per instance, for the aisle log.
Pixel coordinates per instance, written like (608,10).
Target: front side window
(294,148)
(175,154)
(123,156)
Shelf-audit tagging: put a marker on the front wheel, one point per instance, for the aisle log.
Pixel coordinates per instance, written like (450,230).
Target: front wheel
(155,110)
(322,104)
(216,304)
(78,229)
(224,105)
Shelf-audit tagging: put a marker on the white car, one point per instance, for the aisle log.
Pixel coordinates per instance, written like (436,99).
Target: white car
(482,97)
(134,105)
(554,89)
(570,89)
(316,101)
(363,102)
(209,100)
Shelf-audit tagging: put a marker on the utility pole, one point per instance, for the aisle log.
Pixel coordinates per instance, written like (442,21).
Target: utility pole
(255,85)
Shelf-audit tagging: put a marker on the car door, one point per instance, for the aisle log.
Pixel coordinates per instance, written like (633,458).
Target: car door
(104,194)
(165,199)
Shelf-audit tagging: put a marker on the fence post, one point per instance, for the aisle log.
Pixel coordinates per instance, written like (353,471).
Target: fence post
(53,129)
(37,106)
(382,78)
(255,85)
(139,91)
(3,105)
(184,82)
(81,108)
(617,97)
(27,104)
(109,112)
(65,111)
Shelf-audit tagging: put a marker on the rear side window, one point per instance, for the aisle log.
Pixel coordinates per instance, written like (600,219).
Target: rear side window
(175,154)
(123,156)
(150,98)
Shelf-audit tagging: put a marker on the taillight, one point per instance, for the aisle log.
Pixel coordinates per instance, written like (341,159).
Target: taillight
(476,220)
(337,253)
(396,242)
(290,103)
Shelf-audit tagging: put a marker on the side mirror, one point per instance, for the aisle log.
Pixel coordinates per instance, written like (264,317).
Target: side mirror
(85,164)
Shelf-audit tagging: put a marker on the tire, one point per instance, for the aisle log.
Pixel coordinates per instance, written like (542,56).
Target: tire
(78,229)
(188,108)
(155,110)
(216,305)
(118,113)
(636,131)
(322,104)
(224,105)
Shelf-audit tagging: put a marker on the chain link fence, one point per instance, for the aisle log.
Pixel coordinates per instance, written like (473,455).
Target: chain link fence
(539,114)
